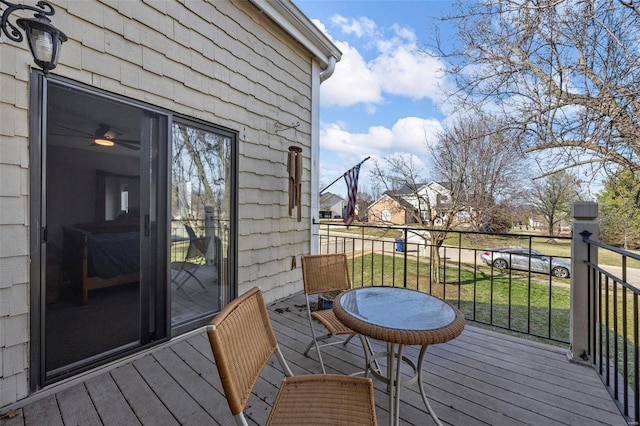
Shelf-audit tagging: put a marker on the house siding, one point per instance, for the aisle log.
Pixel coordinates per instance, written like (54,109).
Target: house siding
(14,262)
(223,62)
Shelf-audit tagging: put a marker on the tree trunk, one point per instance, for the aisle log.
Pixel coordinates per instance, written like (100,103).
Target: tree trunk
(435,264)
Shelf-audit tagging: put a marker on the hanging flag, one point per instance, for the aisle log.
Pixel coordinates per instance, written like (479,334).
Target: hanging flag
(351,179)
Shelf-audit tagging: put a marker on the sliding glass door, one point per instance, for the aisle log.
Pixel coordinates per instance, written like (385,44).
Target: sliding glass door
(132,226)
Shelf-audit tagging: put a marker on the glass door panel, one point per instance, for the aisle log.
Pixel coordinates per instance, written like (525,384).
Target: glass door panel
(98,196)
(200,221)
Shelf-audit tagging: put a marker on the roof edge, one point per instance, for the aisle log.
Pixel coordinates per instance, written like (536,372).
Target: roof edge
(290,18)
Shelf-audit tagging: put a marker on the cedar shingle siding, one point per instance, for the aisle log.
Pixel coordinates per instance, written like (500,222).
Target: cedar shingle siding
(224,62)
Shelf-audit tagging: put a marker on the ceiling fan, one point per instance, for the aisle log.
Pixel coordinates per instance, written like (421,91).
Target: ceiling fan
(104,135)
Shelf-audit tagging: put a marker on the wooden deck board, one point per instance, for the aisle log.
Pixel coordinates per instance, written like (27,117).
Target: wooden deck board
(76,406)
(110,404)
(173,396)
(479,378)
(44,411)
(195,385)
(142,399)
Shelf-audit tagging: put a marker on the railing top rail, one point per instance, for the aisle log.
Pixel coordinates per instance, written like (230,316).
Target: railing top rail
(585,238)
(437,229)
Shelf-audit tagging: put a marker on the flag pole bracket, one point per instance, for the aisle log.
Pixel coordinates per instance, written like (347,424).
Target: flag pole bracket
(280,127)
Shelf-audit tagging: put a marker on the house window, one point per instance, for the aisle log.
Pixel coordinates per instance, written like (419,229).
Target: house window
(385,215)
(463,217)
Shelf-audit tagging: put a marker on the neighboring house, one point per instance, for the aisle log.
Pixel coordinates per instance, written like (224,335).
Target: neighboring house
(158,145)
(536,222)
(405,204)
(331,206)
(392,208)
(438,195)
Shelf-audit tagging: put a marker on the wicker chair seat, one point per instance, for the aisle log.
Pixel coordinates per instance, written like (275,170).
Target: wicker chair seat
(329,320)
(323,399)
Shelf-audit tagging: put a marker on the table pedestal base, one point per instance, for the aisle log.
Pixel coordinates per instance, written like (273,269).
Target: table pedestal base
(395,358)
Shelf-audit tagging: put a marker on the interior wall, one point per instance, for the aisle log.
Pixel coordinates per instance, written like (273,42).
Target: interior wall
(72,193)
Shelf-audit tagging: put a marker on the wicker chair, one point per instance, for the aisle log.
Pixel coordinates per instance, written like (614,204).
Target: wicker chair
(243,341)
(326,273)
(185,270)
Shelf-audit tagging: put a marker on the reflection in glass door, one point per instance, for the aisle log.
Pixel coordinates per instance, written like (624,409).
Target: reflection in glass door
(99,209)
(200,221)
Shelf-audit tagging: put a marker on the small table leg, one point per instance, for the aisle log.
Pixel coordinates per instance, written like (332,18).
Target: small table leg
(391,385)
(394,361)
(398,385)
(435,418)
(393,378)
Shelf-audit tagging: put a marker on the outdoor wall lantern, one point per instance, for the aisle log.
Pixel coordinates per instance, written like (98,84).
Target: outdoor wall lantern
(44,39)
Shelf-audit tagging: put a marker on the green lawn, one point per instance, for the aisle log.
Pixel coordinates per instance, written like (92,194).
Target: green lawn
(535,308)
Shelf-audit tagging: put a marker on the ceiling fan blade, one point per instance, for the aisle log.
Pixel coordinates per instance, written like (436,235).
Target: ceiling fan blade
(70,136)
(134,144)
(129,141)
(102,132)
(79,132)
(126,144)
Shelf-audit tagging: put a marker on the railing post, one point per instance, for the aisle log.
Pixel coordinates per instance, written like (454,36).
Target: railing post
(584,215)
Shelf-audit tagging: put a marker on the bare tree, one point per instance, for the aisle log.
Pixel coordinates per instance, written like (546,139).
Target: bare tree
(479,163)
(200,172)
(483,165)
(631,4)
(397,172)
(564,73)
(363,201)
(553,195)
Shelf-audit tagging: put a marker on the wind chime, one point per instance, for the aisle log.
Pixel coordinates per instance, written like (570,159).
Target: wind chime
(294,167)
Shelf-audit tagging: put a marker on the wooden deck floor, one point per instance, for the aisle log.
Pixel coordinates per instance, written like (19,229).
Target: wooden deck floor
(480,378)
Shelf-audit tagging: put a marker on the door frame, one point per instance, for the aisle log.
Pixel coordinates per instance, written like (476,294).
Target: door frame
(161,330)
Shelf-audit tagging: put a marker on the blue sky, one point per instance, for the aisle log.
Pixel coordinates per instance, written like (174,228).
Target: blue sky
(386,94)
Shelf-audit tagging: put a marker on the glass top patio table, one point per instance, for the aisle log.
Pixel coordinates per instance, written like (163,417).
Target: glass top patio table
(397,308)
(400,317)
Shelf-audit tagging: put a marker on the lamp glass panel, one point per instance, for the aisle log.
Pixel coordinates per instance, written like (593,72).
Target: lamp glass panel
(42,43)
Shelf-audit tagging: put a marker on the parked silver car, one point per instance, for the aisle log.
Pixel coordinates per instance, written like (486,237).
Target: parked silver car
(525,259)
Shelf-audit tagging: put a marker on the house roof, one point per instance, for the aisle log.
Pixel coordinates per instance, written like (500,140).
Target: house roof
(396,198)
(328,199)
(405,190)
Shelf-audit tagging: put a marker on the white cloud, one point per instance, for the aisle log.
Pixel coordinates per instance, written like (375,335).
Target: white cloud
(412,134)
(395,66)
(352,82)
(409,73)
(409,134)
(336,138)
(359,27)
